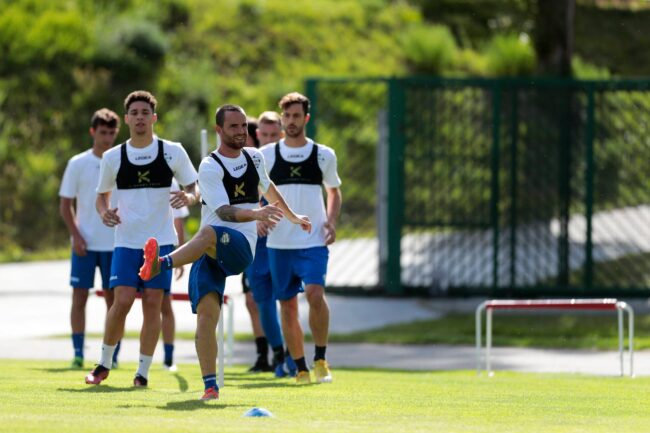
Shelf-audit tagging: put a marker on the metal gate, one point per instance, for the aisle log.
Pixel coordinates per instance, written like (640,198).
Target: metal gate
(499,187)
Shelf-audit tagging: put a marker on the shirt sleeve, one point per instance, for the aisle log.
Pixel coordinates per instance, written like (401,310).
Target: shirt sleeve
(68,187)
(107,175)
(182,212)
(260,166)
(213,192)
(268,151)
(182,166)
(328,165)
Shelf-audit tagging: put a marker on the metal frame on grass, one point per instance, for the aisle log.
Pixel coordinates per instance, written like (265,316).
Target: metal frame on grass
(552,304)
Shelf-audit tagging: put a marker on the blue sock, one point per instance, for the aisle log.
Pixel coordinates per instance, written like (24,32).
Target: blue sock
(169,354)
(270,323)
(210,381)
(117,350)
(78,344)
(166,263)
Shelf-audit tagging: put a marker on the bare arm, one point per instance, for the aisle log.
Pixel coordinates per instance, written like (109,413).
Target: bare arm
(109,216)
(236,214)
(67,211)
(334,200)
(270,214)
(274,196)
(188,197)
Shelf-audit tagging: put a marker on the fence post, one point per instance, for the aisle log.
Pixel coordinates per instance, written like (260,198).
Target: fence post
(514,138)
(494,211)
(312,93)
(395,208)
(589,194)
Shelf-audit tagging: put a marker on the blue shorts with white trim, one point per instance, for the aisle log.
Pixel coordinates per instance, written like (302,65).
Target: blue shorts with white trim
(209,275)
(82,269)
(291,270)
(126,266)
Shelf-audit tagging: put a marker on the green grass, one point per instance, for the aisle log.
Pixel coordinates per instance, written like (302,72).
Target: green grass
(581,331)
(578,330)
(48,397)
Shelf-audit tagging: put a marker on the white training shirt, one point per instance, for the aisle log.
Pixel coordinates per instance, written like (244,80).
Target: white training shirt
(145,212)
(79,182)
(214,193)
(303,199)
(181,212)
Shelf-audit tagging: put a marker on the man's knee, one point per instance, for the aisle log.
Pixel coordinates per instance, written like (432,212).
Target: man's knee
(315,294)
(209,309)
(289,309)
(151,302)
(250,301)
(206,237)
(79,297)
(166,307)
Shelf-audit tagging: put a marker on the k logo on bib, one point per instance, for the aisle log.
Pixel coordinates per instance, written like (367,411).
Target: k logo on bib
(239,190)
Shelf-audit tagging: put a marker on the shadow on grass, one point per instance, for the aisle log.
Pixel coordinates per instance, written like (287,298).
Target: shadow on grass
(182,382)
(132,406)
(231,378)
(100,389)
(273,384)
(60,369)
(189,405)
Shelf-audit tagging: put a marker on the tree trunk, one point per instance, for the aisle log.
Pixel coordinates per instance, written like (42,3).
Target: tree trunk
(554,36)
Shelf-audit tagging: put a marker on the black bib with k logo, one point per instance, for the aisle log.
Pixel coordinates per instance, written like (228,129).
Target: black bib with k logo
(241,189)
(156,174)
(306,172)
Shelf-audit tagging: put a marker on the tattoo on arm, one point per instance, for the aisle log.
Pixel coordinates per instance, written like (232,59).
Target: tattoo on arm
(227,213)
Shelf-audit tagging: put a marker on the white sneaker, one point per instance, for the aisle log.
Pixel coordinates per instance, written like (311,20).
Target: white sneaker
(171,368)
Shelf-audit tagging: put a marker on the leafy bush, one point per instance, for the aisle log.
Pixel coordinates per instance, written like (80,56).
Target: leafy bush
(510,55)
(429,49)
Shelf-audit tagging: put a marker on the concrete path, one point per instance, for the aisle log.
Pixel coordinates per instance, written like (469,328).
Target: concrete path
(35,302)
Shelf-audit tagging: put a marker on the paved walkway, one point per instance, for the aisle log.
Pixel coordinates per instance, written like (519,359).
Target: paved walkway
(35,302)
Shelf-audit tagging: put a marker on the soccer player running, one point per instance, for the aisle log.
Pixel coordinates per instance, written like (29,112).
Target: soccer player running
(298,261)
(230,181)
(92,241)
(141,170)
(258,275)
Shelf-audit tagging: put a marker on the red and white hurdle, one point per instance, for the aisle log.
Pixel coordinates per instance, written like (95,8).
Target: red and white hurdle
(230,343)
(552,304)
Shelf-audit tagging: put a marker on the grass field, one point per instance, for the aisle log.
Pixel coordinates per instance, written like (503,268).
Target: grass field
(49,397)
(568,331)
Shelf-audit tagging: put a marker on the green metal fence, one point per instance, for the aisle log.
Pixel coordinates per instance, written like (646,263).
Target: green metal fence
(498,187)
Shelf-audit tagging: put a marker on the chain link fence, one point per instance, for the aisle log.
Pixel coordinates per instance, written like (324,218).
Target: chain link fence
(494,187)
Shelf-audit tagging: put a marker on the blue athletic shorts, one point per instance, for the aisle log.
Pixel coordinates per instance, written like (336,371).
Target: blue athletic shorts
(209,275)
(127,263)
(258,274)
(291,270)
(82,272)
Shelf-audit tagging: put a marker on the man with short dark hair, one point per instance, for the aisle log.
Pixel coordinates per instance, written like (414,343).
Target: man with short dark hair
(92,242)
(298,261)
(230,181)
(141,171)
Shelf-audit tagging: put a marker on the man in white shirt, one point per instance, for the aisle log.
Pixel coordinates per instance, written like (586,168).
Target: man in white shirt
(141,171)
(258,276)
(92,241)
(298,261)
(230,180)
